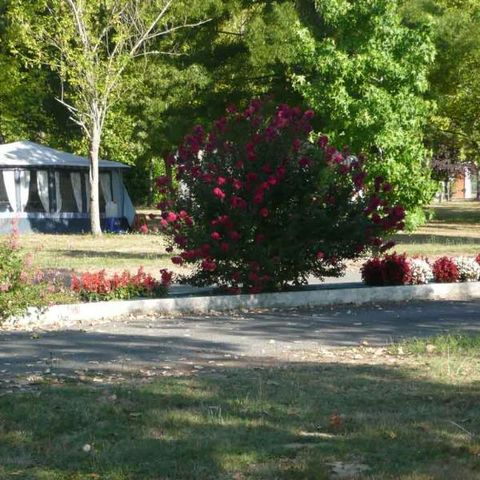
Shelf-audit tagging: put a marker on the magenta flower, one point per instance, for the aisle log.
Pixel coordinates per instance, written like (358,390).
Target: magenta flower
(219,193)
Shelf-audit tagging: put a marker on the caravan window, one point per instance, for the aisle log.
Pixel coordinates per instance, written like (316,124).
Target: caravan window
(68,202)
(34,202)
(4,203)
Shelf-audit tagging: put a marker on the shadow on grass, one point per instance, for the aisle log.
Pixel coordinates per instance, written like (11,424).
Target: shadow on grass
(421,238)
(457,213)
(282,422)
(141,256)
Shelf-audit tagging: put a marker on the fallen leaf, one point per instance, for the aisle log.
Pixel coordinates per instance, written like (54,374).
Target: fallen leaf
(336,420)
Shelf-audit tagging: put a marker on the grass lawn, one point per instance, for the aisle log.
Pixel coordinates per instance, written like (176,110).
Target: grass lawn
(454,230)
(110,252)
(379,414)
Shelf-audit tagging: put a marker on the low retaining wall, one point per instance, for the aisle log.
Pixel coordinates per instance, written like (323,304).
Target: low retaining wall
(202,304)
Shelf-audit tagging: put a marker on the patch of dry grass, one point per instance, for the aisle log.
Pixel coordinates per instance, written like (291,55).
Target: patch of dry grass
(110,252)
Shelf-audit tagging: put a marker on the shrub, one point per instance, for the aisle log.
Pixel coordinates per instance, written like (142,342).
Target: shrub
(21,286)
(372,272)
(420,271)
(259,205)
(445,270)
(468,269)
(396,269)
(98,286)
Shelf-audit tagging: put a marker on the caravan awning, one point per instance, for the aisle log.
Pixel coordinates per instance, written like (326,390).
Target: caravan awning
(29,154)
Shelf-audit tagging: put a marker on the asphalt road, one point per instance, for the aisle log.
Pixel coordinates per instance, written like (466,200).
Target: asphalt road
(167,342)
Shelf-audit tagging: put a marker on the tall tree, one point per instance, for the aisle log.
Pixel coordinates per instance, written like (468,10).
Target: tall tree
(365,74)
(454,79)
(213,68)
(91,45)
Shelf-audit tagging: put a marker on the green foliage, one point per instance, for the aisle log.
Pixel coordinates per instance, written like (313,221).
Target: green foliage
(365,72)
(364,65)
(455,84)
(20,288)
(100,52)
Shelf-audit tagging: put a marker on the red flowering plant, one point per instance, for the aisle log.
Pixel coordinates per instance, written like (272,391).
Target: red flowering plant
(372,272)
(22,285)
(99,286)
(393,269)
(259,205)
(445,270)
(396,269)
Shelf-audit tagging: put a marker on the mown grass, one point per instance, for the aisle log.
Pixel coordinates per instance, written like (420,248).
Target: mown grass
(402,418)
(454,343)
(453,230)
(86,253)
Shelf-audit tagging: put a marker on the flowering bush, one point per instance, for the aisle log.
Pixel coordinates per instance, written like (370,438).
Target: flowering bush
(98,286)
(445,270)
(477,258)
(259,205)
(372,272)
(396,269)
(468,269)
(13,263)
(420,271)
(393,269)
(21,286)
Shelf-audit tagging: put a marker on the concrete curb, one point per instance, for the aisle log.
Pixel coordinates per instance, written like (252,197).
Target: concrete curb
(202,304)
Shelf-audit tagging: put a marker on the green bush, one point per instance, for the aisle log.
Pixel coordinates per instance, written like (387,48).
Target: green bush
(21,286)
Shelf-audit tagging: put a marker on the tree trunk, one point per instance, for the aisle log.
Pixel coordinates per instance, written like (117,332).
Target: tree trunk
(151,182)
(94,182)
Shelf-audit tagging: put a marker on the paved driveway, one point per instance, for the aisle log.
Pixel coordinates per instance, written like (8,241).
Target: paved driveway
(160,342)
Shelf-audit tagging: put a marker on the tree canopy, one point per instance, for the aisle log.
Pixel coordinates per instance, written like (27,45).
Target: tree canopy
(454,83)
(392,79)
